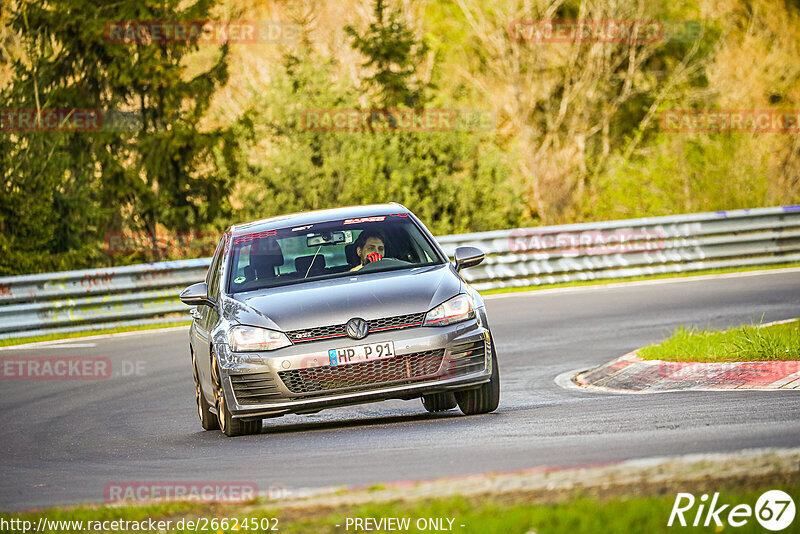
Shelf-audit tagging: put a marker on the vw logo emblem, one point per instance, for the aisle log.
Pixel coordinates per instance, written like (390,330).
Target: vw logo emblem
(357,328)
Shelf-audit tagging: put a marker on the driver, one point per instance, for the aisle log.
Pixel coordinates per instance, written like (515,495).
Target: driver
(369,248)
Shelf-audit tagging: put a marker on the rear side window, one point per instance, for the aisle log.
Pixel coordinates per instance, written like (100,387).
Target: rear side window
(212,278)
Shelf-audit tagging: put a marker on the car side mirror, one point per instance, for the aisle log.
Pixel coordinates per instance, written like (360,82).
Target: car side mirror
(468,257)
(197,295)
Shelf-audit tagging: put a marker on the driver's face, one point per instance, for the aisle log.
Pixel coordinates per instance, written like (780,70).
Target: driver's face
(373,244)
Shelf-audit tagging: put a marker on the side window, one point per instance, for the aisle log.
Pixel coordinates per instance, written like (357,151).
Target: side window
(242,261)
(214,270)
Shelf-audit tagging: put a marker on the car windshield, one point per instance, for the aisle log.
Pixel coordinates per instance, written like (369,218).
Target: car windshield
(349,247)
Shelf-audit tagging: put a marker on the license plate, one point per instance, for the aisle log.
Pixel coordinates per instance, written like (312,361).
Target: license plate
(360,353)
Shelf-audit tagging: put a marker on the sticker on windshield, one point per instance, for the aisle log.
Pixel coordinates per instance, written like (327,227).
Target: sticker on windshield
(258,235)
(239,279)
(364,220)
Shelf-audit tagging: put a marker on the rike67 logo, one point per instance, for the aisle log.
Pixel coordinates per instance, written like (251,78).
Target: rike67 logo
(774,510)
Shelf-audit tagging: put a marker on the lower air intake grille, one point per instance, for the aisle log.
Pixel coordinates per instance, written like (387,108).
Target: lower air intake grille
(255,388)
(467,358)
(370,373)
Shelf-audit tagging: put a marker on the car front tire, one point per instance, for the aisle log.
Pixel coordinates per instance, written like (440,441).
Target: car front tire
(483,399)
(439,402)
(230,426)
(234,427)
(207,419)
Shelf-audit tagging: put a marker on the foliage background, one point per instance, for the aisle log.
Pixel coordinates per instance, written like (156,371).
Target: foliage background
(574,130)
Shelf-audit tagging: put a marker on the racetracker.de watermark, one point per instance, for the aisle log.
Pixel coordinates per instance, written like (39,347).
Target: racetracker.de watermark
(161,244)
(206,32)
(395,120)
(730,120)
(589,242)
(604,31)
(54,368)
(201,491)
(27,120)
(68,368)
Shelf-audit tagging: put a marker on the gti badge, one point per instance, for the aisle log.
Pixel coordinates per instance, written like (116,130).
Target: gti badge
(357,328)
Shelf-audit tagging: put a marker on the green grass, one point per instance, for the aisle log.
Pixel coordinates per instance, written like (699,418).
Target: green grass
(576,516)
(743,344)
(639,278)
(85,333)
(628,514)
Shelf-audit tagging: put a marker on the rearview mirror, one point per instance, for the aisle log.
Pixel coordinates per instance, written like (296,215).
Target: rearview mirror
(197,295)
(329,238)
(468,257)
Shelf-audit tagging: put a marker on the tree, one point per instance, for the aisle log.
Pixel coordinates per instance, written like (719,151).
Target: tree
(455,180)
(64,190)
(393,53)
(564,105)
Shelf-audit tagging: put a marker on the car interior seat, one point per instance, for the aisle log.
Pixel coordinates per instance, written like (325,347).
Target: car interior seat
(303,265)
(350,255)
(265,255)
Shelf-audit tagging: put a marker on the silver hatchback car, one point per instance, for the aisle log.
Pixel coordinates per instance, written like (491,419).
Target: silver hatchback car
(330,308)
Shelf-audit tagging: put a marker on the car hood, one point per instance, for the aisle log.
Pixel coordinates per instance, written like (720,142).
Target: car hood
(330,302)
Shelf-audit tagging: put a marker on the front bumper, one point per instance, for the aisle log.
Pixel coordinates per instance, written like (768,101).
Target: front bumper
(299,379)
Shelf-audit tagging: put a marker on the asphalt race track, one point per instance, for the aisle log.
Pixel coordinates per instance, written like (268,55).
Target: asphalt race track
(63,441)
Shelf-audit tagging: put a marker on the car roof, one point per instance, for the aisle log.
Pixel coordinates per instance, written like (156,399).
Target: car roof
(318,216)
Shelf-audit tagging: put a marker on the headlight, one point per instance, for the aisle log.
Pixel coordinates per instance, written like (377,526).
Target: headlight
(455,310)
(251,338)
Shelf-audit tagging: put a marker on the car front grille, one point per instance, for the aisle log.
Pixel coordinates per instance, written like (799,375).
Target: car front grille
(370,373)
(467,358)
(254,388)
(315,334)
(396,322)
(376,325)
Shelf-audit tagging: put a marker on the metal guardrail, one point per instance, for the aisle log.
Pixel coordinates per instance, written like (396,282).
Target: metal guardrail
(147,294)
(95,299)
